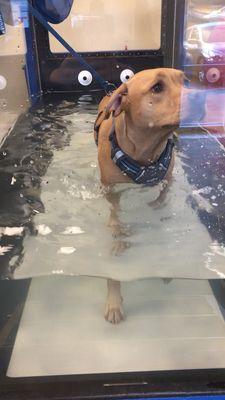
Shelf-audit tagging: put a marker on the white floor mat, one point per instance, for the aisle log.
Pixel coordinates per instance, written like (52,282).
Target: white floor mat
(167,327)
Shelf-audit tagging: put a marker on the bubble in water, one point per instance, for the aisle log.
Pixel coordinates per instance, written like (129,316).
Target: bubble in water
(43,229)
(72,230)
(66,250)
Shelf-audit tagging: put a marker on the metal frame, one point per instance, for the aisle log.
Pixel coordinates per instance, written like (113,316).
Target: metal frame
(178,34)
(31,69)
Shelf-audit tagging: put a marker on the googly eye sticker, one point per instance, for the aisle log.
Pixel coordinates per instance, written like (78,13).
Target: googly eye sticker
(126,74)
(85,78)
(3,82)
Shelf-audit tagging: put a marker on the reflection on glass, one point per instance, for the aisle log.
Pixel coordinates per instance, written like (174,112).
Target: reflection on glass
(204,57)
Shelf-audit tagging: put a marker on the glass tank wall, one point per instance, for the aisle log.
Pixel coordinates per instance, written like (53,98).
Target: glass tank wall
(63,270)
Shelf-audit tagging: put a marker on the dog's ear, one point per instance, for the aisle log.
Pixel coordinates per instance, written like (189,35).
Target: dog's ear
(117,101)
(100,118)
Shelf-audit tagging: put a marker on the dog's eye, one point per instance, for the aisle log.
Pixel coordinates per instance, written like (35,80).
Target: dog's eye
(157,88)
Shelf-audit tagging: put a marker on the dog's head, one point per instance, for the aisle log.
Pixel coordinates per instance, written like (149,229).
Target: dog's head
(152,98)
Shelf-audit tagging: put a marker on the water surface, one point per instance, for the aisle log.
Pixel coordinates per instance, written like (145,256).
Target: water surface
(55,213)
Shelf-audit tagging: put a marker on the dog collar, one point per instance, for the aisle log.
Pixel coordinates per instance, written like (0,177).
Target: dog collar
(150,175)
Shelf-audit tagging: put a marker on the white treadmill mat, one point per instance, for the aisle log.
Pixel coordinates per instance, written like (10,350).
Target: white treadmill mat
(74,239)
(167,327)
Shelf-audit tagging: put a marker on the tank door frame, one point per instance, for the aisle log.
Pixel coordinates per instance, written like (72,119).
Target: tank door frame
(109,64)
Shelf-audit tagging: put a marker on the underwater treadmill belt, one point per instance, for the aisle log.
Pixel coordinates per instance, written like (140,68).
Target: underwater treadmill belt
(68,233)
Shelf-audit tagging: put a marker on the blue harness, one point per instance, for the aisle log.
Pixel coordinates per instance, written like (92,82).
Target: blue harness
(150,175)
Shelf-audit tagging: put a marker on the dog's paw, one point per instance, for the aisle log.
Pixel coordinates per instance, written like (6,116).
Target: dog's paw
(119,231)
(156,204)
(114,313)
(166,281)
(119,246)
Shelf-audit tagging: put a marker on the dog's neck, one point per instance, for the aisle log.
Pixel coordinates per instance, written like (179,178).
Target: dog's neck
(143,145)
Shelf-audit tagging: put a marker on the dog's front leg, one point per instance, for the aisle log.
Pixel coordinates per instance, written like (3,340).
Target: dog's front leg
(114,308)
(165,189)
(162,196)
(119,231)
(114,222)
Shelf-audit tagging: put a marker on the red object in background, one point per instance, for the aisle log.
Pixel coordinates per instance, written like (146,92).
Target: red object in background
(215,74)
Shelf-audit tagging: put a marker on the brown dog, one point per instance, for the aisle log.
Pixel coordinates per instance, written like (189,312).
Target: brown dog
(142,113)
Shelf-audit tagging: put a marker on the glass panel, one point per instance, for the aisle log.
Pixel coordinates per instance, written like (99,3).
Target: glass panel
(111,276)
(127,25)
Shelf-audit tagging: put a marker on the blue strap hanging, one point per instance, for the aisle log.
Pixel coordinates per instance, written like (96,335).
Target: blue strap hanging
(54,11)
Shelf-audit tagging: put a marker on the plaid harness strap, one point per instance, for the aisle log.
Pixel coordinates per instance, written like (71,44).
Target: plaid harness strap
(150,175)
